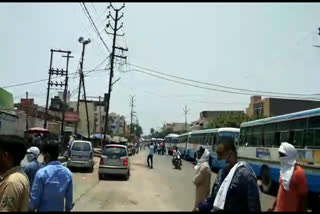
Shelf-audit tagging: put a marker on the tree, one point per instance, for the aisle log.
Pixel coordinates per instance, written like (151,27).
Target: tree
(152,131)
(138,130)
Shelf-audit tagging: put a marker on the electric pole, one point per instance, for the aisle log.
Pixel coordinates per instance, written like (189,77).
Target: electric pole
(186,110)
(27,109)
(132,114)
(113,55)
(81,83)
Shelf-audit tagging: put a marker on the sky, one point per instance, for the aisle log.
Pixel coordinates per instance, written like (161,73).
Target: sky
(257,46)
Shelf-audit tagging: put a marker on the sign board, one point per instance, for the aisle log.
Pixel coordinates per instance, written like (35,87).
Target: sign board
(6,100)
(263,153)
(71,116)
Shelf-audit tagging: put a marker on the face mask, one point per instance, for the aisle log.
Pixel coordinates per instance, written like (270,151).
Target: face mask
(30,157)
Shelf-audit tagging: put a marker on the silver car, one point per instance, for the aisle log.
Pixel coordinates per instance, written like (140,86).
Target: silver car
(81,155)
(114,161)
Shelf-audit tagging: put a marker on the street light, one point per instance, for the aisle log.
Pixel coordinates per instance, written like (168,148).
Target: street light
(81,40)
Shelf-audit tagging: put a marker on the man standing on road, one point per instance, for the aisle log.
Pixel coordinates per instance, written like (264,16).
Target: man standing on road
(150,155)
(235,188)
(203,176)
(293,188)
(14,184)
(52,184)
(34,165)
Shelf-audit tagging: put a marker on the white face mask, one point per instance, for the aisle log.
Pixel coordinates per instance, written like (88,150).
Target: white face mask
(30,157)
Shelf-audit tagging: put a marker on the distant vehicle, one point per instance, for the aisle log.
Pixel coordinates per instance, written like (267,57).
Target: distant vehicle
(260,141)
(114,161)
(171,140)
(131,150)
(81,155)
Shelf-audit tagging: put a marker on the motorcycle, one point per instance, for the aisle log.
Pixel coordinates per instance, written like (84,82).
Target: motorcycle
(177,162)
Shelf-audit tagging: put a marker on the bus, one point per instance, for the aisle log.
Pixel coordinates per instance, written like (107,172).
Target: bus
(171,140)
(207,138)
(260,141)
(183,143)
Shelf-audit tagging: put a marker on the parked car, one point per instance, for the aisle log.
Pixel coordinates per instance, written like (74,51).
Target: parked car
(81,155)
(183,152)
(114,161)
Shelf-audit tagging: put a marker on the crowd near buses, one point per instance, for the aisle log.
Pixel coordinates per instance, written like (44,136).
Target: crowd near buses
(257,142)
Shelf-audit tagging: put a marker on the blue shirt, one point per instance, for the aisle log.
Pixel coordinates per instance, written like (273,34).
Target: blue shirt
(151,150)
(31,170)
(51,186)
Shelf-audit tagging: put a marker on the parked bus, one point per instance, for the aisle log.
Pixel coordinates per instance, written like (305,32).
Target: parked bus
(171,140)
(208,138)
(260,141)
(183,143)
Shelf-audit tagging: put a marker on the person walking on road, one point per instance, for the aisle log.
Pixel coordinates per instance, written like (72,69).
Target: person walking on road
(52,188)
(34,165)
(14,183)
(235,188)
(293,188)
(150,155)
(203,176)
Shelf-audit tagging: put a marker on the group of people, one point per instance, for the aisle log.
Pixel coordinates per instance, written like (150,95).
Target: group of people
(36,187)
(236,188)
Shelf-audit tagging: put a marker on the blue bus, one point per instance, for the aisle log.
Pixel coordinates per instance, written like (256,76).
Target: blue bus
(260,141)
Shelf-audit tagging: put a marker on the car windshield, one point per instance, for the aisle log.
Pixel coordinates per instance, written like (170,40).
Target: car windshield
(81,146)
(114,151)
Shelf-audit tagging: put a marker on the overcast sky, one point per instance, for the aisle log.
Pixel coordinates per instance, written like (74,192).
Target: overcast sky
(260,46)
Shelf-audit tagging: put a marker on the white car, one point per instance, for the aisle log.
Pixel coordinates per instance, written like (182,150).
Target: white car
(81,155)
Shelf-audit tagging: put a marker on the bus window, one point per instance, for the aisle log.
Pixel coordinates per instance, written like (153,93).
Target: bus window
(298,138)
(284,137)
(299,124)
(314,122)
(283,126)
(269,138)
(308,138)
(277,140)
(316,138)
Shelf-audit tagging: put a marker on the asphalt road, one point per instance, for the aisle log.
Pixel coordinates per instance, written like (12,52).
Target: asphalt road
(160,189)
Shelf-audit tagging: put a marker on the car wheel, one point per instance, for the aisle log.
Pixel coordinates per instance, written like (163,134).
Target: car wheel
(101,177)
(266,181)
(127,176)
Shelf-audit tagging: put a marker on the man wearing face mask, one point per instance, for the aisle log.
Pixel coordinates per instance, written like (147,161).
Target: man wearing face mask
(235,188)
(34,165)
(52,188)
(293,188)
(203,176)
(14,184)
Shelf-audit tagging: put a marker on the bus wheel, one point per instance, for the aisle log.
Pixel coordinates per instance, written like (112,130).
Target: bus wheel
(266,181)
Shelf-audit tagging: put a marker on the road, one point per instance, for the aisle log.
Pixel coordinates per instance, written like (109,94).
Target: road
(160,189)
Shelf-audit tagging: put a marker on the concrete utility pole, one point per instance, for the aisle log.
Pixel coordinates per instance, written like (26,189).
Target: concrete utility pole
(186,110)
(81,83)
(132,114)
(27,116)
(57,73)
(113,55)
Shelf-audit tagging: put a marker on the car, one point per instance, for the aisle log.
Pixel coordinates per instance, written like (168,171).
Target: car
(114,160)
(81,155)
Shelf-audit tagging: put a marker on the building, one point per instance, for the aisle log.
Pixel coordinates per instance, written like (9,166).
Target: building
(97,116)
(269,107)
(176,127)
(206,117)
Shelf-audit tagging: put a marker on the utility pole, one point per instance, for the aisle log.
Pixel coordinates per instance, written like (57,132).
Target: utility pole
(100,125)
(81,83)
(113,55)
(186,110)
(57,73)
(27,116)
(132,114)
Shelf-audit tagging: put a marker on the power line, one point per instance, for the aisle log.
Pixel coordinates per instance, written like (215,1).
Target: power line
(225,91)
(94,25)
(221,86)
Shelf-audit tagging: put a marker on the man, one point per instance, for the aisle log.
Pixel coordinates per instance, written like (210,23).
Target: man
(52,184)
(150,155)
(202,178)
(293,188)
(34,165)
(14,184)
(235,188)
(176,154)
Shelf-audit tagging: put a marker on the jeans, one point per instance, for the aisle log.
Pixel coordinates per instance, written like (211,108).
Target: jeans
(150,157)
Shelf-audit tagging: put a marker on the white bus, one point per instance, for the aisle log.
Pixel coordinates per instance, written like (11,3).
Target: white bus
(260,141)
(171,140)
(207,138)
